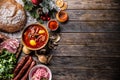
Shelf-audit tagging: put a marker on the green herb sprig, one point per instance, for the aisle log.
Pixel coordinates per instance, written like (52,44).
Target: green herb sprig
(47,6)
(7,63)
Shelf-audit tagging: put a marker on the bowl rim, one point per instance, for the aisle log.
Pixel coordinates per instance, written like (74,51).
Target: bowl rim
(60,19)
(41,65)
(42,45)
(53,20)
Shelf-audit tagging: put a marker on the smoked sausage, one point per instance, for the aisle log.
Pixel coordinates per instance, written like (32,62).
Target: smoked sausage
(20,65)
(24,68)
(27,73)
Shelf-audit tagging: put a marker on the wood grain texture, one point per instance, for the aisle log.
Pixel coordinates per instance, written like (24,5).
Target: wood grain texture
(89,38)
(86,62)
(89,44)
(90,26)
(86,50)
(93,4)
(84,68)
(94,15)
(86,74)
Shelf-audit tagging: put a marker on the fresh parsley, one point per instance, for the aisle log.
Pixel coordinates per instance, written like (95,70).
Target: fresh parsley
(7,63)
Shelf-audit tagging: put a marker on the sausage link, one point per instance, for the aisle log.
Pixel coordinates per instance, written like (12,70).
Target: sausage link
(25,77)
(24,68)
(20,64)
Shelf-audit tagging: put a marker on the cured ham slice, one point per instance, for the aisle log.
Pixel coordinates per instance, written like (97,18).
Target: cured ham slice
(10,44)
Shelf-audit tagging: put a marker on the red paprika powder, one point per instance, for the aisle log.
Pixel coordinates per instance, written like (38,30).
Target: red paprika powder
(53,25)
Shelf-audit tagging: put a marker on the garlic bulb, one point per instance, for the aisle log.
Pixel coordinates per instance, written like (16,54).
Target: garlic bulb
(25,50)
(42,58)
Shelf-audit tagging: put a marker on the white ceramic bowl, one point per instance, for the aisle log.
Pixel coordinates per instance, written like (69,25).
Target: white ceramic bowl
(37,66)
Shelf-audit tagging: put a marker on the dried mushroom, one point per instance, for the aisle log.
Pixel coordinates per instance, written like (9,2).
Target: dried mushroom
(54,39)
(57,38)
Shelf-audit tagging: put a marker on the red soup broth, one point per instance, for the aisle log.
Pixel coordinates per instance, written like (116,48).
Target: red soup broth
(37,34)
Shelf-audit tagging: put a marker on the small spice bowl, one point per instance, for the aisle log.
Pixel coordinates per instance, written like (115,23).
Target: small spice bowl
(62,16)
(53,25)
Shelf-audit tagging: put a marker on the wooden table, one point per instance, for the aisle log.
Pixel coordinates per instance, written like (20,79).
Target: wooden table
(89,48)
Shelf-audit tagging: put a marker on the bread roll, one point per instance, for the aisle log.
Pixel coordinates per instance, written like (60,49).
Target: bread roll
(12,16)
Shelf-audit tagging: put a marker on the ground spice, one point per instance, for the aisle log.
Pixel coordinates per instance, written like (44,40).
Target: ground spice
(53,25)
(62,15)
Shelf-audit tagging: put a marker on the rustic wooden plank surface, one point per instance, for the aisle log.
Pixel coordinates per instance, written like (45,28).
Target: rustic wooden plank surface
(93,4)
(94,53)
(93,15)
(86,62)
(89,38)
(84,74)
(83,50)
(90,26)
(89,48)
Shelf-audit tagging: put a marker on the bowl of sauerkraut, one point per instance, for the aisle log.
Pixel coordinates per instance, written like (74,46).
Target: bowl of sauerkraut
(40,72)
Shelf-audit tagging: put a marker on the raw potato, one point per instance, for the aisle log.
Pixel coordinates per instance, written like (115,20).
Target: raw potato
(32,42)
(26,51)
